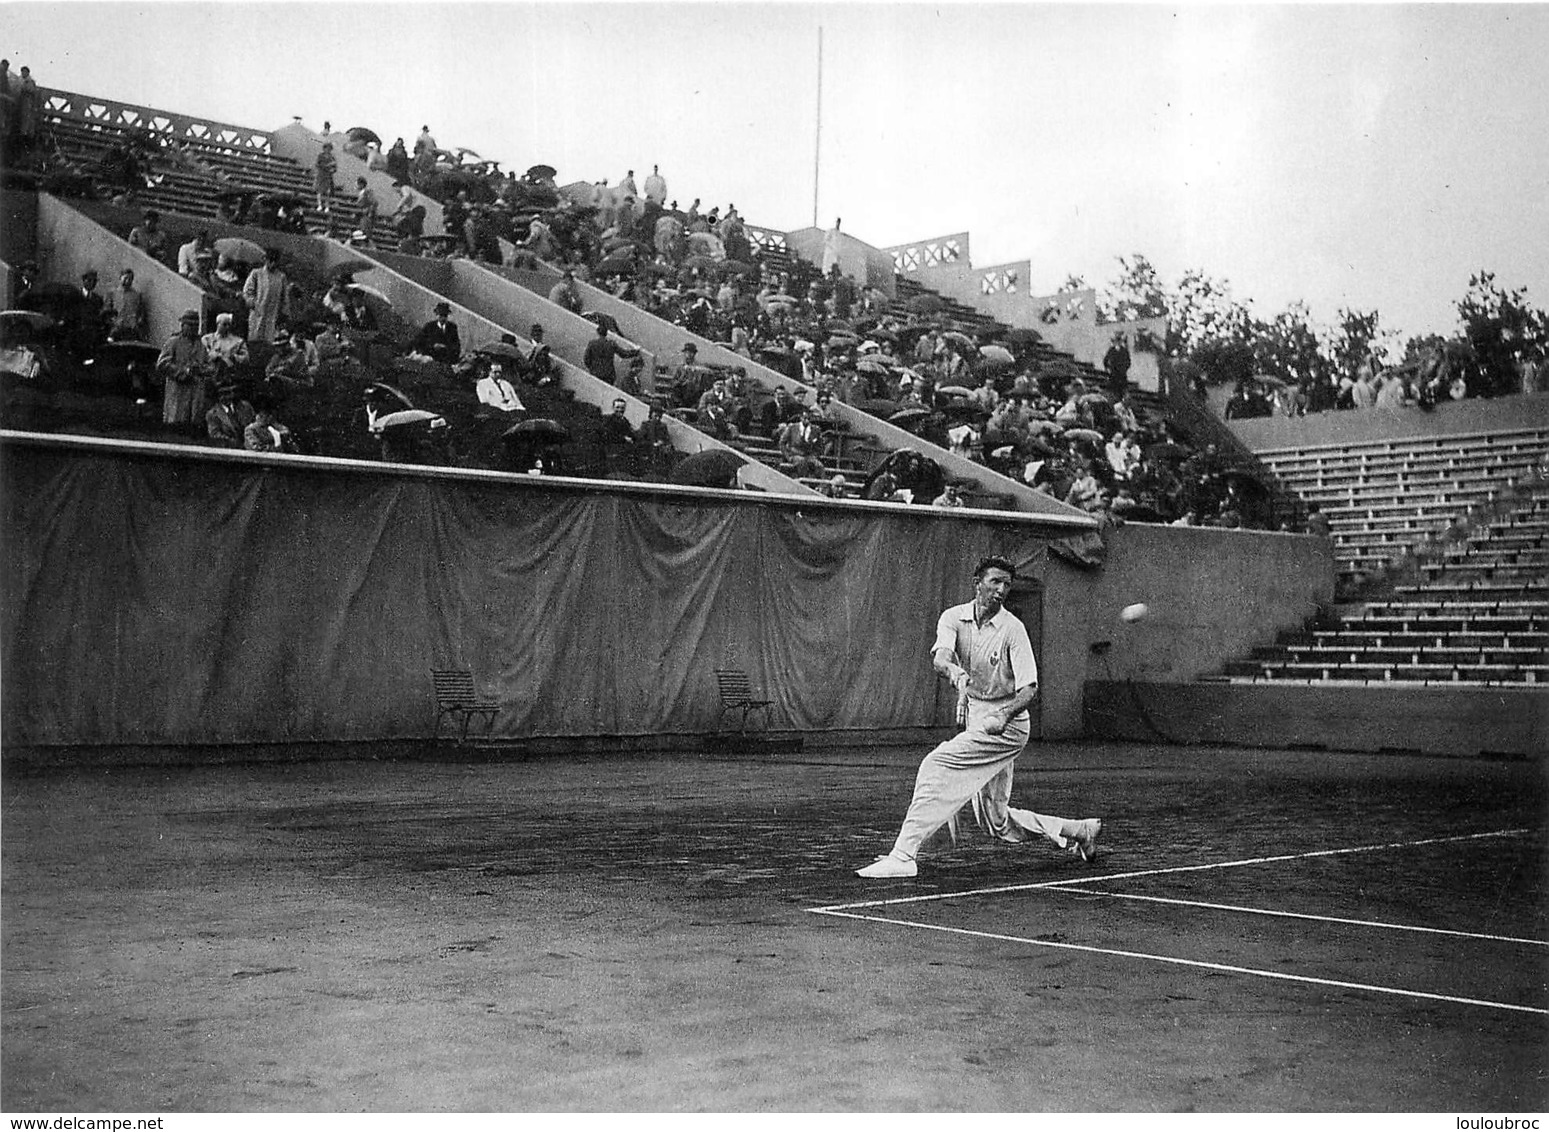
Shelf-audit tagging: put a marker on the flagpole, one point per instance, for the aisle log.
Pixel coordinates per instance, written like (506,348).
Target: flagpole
(817,145)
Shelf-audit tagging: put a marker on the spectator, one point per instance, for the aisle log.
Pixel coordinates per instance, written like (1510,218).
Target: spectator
(185,366)
(837,487)
(1317,521)
(398,163)
(949,497)
(195,258)
(267,295)
(89,323)
(128,311)
(357,313)
(495,389)
(226,349)
(439,339)
(28,105)
(601,351)
(149,238)
(656,186)
(266,434)
(366,204)
(295,363)
(540,362)
(801,444)
(323,170)
(566,293)
(226,421)
(1116,363)
(1363,394)
(1123,455)
(425,149)
(986,397)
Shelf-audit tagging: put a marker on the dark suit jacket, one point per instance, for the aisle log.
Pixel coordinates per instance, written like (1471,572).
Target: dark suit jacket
(441,343)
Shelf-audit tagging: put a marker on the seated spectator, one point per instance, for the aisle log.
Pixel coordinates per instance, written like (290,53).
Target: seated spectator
(227,420)
(836,488)
(656,441)
(1123,455)
(438,339)
(128,311)
(801,445)
(266,434)
(195,258)
(295,363)
(1395,392)
(185,367)
(540,367)
(986,397)
(226,348)
(949,497)
(495,389)
(336,300)
(149,238)
(1085,492)
(357,313)
(566,293)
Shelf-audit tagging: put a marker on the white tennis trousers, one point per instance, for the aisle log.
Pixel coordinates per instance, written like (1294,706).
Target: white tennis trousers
(974,766)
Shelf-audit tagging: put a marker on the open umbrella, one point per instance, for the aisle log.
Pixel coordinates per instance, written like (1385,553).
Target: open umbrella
(245,251)
(873,365)
(716,467)
(349,268)
(1036,427)
(621,259)
(500,350)
(960,339)
(539,430)
(737,267)
(774,351)
(997,355)
(1092,399)
(703,243)
(701,263)
(540,173)
(32,320)
(406,417)
(843,340)
(1090,434)
(955,390)
(372,291)
(361,134)
(906,417)
(381,391)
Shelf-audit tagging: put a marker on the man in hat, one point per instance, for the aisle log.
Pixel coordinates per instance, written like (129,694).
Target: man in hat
(87,322)
(601,351)
(689,380)
(539,368)
(656,440)
(366,203)
(226,421)
(1116,363)
(438,338)
(185,366)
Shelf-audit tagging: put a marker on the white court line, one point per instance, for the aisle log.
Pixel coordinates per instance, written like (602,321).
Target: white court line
(1401,992)
(1303,916)
(1070,881)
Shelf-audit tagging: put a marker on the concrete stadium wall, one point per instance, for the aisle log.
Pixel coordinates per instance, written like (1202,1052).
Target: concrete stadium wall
(867,265)
(302,146)
(1357,426)
(1432,720)
(70,242)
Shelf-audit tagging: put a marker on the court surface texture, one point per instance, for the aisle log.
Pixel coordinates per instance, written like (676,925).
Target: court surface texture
(1263,930)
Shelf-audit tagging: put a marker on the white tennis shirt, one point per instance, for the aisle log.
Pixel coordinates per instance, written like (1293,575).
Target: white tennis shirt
(997,656)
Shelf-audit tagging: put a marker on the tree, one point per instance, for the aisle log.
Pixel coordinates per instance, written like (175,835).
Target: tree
(1289,347)
(1502,330)
(1354,339)
(1203,311)
(1137,293)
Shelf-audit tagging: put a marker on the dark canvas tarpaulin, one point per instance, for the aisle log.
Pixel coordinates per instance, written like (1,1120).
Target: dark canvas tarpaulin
(154,599)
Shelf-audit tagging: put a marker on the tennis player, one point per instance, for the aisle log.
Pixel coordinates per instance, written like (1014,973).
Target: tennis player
(983,649)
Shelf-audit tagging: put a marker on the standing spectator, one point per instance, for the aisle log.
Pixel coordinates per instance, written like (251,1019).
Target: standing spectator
(323,171)
(656,441)
(128,311)
(90,321)
(1317,521)
(539,365)
(656,186)
(1116,363)
(29,110)
(1363,394)
(226,421)
(295,363)
(227,350)
(398,162)
(366,203)
(7,100)
(148,236)
(601,351)
(439,339)
(185,366)
(266,293)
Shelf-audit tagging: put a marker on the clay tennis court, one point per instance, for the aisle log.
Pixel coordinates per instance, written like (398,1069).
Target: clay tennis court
(682,931)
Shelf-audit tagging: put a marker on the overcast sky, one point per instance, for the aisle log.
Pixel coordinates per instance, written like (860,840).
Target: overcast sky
(1369,156)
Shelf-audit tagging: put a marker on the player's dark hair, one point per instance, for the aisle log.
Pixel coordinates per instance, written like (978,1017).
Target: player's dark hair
(994,562)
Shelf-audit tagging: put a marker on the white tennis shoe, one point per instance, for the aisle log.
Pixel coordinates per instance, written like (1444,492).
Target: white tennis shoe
(1083,837)
(889,866)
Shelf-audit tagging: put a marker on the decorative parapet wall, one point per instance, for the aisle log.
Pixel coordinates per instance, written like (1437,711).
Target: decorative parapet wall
(1067,320)
(925,255)
(867,265)
(106,114)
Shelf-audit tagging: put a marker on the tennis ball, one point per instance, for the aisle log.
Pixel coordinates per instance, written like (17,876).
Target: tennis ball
(1134,612)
